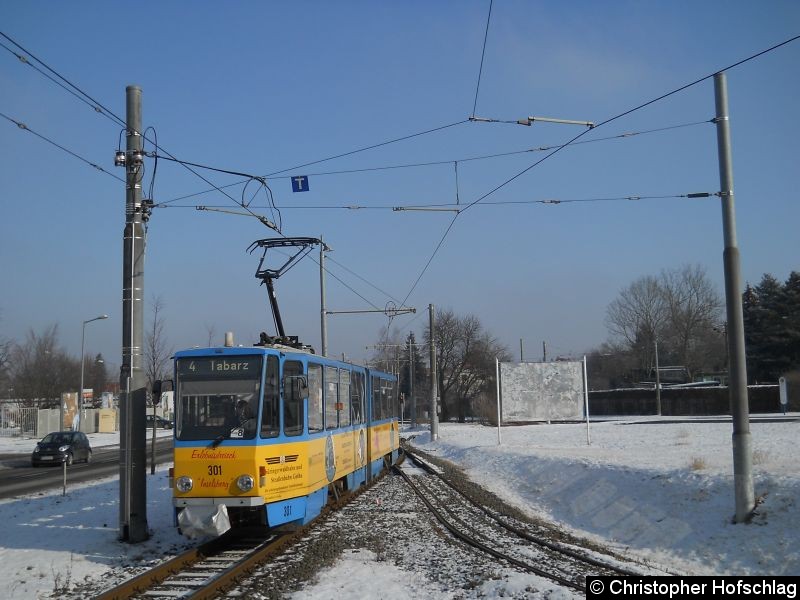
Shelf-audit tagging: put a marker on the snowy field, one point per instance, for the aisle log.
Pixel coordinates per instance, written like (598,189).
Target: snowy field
(660,492)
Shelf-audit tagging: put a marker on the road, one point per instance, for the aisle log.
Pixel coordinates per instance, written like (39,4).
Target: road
(19,478)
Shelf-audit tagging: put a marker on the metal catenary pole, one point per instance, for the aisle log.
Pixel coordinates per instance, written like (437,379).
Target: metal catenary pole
(323,311)
(133,452)
(586,401)
(434,377)
(658,380)
(737,387)
(411,397)
(497,377)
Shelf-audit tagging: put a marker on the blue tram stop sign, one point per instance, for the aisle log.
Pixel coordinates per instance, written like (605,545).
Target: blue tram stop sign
(300,183)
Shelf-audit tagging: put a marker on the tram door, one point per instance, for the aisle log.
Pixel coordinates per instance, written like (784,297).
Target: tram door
(358,414)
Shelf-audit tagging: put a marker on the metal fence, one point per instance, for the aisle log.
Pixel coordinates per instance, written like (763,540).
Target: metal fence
(18,422)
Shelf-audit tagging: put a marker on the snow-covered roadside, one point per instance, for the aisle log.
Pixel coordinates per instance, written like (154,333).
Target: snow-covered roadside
(51,542)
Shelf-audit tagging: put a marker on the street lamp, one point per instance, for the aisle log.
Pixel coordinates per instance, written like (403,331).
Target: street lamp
(80,391)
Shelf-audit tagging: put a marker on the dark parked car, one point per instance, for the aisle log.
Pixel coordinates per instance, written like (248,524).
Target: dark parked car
(62,447)
(161,422)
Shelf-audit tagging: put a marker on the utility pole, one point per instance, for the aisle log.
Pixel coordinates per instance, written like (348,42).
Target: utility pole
(737,367)
(323,312)
(434,377)
(133,442)
(520,349)
(411,398)
(544,351)
(658,380)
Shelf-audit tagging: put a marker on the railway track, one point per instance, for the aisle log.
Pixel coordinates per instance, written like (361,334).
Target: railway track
(504,538)
(220,564)
(207,570)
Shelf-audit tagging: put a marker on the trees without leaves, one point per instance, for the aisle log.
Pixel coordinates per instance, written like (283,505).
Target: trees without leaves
(680,308)
(40,370)
(156,350)
(465,355)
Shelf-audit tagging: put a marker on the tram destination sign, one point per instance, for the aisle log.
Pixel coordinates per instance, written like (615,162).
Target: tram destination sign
(220,366)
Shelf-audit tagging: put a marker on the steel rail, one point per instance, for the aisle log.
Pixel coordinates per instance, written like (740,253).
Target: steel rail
(471,541)
(521,533)
(233,574)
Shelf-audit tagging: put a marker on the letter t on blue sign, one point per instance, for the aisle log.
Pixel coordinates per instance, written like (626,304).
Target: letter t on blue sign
(300,183)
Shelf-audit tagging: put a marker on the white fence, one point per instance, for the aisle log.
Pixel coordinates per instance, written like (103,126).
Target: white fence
(18,422)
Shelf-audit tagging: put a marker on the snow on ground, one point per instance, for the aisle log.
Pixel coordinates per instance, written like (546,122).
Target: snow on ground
(50,542)
(658,491)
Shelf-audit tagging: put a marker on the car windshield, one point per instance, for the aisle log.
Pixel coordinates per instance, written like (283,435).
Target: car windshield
(218,397)
(58,438)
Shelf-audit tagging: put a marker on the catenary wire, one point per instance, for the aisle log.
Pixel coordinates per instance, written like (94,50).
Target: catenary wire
(575,138)
(624,135)
(337,278)
(483,53)
(371,147)
(387,294)
(430,260)
(455,206)
(100,108)
(24,127)
(96,106)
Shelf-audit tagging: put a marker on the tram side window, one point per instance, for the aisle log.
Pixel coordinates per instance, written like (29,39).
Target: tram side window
(386,385)
(377,399)
(293,403)
(344,398)
(270,418)
(331,397)
(395,411)
(374,398)
(357,397)
(314,398)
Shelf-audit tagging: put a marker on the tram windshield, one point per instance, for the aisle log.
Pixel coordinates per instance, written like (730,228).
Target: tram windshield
(217,397)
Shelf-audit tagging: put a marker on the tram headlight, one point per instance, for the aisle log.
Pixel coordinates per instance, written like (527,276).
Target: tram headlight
(184,484)
(245,483)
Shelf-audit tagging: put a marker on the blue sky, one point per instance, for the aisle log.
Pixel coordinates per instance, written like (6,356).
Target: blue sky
(260,87)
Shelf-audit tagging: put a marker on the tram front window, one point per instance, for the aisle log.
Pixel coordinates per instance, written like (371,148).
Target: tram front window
(217,398)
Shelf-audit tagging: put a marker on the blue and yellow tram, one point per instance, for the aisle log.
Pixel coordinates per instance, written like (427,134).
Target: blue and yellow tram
(269,432)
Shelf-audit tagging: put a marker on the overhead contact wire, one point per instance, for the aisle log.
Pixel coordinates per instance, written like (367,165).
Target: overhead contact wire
(483,53)
(24,127)
(574,139)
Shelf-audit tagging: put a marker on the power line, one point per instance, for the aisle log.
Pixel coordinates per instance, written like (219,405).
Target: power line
(372,147)
(502,154)
(574,139)
(455,206)
(194,194)
(387,294)
(483,52)
(24,127)
(312,258)
(98,107)
(624,135)
(430,260)
(78,93)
